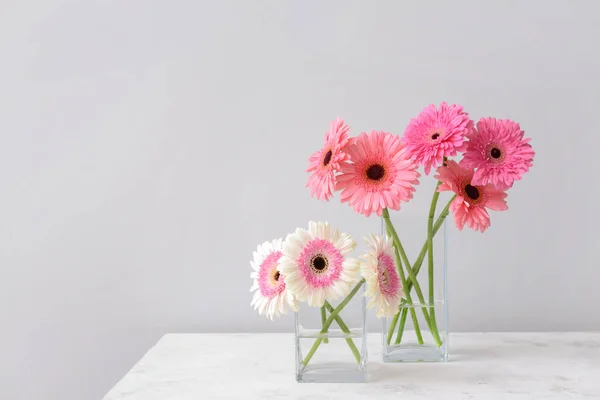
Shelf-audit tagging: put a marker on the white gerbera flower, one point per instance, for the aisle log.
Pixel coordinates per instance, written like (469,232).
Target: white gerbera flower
(315,264)
(271,296)
(383,286)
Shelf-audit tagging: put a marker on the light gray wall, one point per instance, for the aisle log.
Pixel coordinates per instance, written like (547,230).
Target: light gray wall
(148,146)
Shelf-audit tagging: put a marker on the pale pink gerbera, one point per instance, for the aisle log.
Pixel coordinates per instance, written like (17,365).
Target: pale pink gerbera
(499,152)
(271,296)
(325,163)
(437,133)
(316,264)
(379,175)
(383,286)
(471,201)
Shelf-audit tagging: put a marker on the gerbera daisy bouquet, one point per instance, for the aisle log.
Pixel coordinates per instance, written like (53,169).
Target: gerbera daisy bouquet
(377,172)
(374,173)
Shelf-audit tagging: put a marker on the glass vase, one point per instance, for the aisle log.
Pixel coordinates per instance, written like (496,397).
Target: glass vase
(331,346)
(419,331)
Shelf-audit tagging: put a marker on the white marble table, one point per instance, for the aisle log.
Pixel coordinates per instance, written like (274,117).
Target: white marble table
(261,366)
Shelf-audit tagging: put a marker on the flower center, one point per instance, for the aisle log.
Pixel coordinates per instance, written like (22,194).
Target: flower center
(327,158)
(435,136)
(387,276)
(383,277)
(319,263)
(268,276)
(495,153)
(472,192)
(375,172)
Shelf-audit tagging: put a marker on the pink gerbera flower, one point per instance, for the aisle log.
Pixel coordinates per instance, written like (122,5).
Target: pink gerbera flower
(499,152)
(325,163)
(471,201)
(316,265)
(271,296)
(379,175)
(437,133)
(383,286)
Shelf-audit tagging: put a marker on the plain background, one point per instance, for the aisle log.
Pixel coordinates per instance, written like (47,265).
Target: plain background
(148,146)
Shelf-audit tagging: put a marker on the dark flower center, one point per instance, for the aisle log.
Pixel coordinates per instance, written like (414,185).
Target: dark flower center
(472,192)
(495,153)
(319,263)
(277,275)
(375,172)
(435,136)
(327,158)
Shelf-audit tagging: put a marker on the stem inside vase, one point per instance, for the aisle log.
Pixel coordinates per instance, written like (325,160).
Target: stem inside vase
(333,315)
(408,305)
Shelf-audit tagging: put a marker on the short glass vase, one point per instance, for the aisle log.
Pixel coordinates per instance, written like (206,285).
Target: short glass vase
(418,332)
(331,341)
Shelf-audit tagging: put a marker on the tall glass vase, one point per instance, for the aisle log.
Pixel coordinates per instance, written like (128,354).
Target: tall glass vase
(418,332)
(331,346)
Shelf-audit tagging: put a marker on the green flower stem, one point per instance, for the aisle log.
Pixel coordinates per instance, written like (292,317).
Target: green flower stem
(434,200)
(438,224)
(417,267)
(323,318)
(436,228)
(392,327)
(409,270)
(346,330)
(402,323)
(413,314)
(329,321)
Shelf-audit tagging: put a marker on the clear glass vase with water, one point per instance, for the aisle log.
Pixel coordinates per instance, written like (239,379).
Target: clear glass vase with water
(331,346)
(418,332)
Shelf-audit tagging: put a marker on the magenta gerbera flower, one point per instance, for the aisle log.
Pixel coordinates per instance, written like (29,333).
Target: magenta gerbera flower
(499,152)
(469,206)
(437,133)
(379,174)
(325,163)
